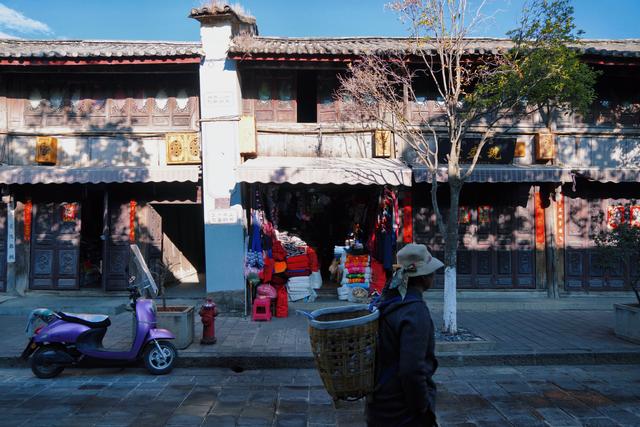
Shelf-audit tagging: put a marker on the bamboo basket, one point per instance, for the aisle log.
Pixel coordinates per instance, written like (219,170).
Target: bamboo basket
(343,342)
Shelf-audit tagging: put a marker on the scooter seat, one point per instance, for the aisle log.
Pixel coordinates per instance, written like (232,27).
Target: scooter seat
(90,320)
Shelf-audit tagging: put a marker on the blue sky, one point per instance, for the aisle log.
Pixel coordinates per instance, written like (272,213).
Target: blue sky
(167,19)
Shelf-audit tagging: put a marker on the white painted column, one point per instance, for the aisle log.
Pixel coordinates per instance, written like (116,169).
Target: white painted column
(220,101)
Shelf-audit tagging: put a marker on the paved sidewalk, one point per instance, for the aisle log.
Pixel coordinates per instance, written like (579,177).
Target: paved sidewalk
(495,396)
(512,337)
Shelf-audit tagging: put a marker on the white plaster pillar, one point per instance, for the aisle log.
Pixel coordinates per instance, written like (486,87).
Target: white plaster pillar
(220,102)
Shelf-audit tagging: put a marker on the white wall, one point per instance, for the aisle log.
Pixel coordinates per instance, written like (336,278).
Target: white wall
(220,111)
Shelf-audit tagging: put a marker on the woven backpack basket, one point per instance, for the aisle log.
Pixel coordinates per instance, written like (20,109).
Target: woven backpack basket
(343,342)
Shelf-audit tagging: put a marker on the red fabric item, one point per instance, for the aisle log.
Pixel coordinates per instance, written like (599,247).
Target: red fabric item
(282,302)
(407,221)
(278,280)
(278,252)
(267,271)
(298,273)
(298,262)
(378,276)
(313,259)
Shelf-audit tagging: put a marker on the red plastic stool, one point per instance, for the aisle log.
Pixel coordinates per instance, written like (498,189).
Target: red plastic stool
(261,309)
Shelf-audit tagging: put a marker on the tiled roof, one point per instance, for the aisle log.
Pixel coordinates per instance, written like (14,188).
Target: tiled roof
(44,49)
(244,45)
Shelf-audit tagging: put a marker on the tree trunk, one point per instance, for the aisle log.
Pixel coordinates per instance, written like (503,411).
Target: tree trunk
(450,313)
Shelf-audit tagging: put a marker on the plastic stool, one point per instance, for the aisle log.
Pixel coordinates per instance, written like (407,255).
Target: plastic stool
(261,309)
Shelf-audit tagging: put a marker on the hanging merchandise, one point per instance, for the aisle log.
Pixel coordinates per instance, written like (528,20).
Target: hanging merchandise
(407,219)
(254,261)
(386,229)
(378,277)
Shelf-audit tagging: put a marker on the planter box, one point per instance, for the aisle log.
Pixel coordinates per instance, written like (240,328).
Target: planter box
(628,322)
(180,321)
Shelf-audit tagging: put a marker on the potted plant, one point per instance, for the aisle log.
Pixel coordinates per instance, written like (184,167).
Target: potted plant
(179,319)
(621,244)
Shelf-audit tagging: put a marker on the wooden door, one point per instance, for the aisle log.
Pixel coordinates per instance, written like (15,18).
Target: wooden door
(3,247)
(55,249)
(117,252)
(585,218)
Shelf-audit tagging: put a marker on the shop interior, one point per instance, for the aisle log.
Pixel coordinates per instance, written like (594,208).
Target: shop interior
(324,241)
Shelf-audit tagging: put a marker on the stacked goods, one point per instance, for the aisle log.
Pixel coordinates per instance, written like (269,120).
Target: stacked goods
(299,288)
(316,278)
(298,266)
(356,273)
(302,268)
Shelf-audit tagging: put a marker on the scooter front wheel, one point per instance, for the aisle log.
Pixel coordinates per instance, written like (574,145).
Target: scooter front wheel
(159,359)
(41,368)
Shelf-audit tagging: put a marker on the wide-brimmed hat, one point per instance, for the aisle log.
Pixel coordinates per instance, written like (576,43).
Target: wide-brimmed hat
(416,260)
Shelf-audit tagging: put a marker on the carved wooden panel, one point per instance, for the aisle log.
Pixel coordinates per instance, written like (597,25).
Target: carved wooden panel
(43,262)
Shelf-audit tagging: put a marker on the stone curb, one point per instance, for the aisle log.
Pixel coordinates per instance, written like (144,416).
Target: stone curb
(243,361)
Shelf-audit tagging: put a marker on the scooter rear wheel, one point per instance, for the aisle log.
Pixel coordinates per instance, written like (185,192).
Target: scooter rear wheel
(41,369)
(160,363)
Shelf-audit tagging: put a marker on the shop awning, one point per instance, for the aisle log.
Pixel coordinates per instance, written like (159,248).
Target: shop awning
(324,170)
(608,174)
(95,175)
(501,173)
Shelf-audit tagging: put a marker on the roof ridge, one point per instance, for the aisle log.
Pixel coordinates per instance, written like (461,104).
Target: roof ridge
(71,41)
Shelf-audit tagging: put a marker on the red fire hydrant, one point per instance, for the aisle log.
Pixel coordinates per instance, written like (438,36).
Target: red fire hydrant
(208,313)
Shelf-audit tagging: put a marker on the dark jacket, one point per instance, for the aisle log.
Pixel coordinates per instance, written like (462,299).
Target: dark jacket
(405,394)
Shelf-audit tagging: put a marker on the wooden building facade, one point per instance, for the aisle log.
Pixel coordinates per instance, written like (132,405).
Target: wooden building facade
(99,149)
(526,222)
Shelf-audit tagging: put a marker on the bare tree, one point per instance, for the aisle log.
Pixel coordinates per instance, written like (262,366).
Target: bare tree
(480,93)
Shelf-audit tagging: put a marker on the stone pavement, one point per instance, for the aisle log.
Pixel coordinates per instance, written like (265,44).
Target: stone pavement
(515,337)
(512,336)
(606,395)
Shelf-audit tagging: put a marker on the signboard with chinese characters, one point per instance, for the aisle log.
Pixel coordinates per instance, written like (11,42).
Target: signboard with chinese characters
(223,216)
(499,151)
(11,233)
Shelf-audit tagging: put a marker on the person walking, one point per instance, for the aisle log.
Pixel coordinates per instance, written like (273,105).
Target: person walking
(405,393)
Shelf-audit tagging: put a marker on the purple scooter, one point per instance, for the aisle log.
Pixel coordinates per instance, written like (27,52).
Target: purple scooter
(68,339)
